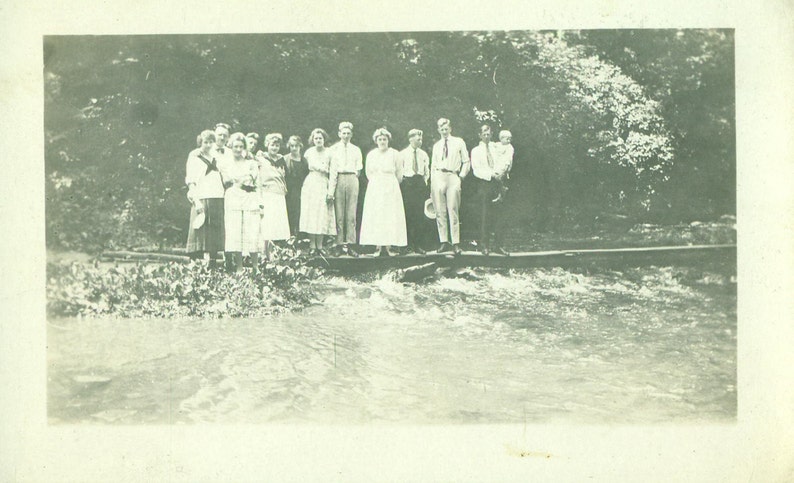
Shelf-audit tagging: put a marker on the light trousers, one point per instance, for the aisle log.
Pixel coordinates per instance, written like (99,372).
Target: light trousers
(445,192)
(345,205)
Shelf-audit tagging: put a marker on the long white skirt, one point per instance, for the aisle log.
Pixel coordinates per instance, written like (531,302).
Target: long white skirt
(383,217)
(242,231)
(274,224)
(317,214)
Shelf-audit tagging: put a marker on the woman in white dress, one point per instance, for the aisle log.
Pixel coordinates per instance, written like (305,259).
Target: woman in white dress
(241,204)
(317,203)
(273,191)
(383,216)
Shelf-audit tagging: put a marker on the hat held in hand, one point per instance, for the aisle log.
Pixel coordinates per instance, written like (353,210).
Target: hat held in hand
(430,209)
(198,222)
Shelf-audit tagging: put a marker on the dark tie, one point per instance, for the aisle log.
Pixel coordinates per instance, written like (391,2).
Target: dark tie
(416,164)
(446,148)
(488,155)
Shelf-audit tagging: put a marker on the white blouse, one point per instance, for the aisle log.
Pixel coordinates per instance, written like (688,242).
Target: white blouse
(384,163)
(208,184)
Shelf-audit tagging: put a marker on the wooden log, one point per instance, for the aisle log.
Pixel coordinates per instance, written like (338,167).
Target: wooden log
(603,258)
(127,256)
(616,258)
(160,249)
(417,273)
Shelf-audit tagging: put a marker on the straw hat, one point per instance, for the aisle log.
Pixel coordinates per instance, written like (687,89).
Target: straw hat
(430,209)
(198,221)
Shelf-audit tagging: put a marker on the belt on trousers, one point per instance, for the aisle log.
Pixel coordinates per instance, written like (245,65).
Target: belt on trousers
(345,172)
(446,170)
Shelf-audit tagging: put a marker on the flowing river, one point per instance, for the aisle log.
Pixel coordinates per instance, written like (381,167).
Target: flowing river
(643,345)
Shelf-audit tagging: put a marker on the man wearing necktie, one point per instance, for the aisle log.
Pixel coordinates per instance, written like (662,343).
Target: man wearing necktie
(416,174)
(490,171)
(346,165)
(221,153)
(450,164)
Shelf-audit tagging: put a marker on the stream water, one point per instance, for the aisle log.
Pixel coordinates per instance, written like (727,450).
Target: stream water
(645,345)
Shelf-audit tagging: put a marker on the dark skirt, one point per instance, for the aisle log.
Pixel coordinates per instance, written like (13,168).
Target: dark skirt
(293,200)
(208,238)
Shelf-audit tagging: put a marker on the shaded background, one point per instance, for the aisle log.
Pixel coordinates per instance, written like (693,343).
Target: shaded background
(634,125)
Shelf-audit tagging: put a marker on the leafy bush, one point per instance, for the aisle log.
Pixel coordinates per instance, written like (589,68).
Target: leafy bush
(177,290)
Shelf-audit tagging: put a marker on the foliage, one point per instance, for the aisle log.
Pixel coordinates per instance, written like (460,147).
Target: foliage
(177,290)
(625,130)
(691,75)
(595,129)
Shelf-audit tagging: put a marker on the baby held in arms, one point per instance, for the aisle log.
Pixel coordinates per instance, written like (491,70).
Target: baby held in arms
(504,150)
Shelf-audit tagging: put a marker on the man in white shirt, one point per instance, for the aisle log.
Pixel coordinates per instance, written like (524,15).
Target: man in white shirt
(414,186)
(450,164)
(346,165)
(221,153)
(490,170)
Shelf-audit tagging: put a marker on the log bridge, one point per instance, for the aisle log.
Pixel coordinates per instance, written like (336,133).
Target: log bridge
(574,258)
(602,258)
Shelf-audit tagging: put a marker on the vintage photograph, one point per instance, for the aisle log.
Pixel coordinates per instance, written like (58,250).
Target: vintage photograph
(406,228)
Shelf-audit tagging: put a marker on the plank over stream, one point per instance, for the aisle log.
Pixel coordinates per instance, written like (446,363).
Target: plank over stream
(575,258)
(604,258)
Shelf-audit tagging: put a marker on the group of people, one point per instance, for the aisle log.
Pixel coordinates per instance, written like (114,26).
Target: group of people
(244,199)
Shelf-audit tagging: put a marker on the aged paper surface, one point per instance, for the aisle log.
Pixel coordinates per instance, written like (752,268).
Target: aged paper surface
(757,448)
